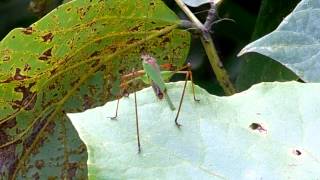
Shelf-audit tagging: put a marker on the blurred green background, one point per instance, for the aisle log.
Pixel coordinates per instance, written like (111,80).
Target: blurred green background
(252,20)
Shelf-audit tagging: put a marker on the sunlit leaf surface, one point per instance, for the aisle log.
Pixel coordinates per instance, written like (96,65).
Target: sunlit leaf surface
(266,132)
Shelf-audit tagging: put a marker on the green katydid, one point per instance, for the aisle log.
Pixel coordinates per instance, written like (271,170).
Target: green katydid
(155,77)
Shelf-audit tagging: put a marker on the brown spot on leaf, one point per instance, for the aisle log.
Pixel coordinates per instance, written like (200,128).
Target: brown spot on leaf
(74,82)
(135,28)
(91,24)
(95,63)
(53,71)
(28,99)
(81,149)
(113,49)
(82,12)
(131,41)
(27,67)
(39,164)
(165,40)
(88,102)
(16,77)
(96,53)
(99,41)
(10,123)
(52,86)
(47,37)
(158,28)
(27,30)
(46,55)
(6,58)
(50,127)
(72,169)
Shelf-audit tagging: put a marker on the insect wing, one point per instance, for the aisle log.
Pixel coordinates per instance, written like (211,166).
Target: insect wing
(155,75)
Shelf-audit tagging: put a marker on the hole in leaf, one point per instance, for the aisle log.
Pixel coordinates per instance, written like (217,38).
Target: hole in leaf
(46,55)
(27,30)
(297,152)
(47,37)
(257,126)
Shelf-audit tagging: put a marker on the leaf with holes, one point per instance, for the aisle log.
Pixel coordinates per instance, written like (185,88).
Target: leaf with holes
(67,62)
(267,132)
(295,43)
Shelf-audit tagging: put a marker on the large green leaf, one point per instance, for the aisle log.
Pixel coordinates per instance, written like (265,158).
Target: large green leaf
(295,43)
(267,132)
(256,68)
(67,62)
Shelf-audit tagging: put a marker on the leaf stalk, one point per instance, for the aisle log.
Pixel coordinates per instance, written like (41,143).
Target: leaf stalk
(207,42)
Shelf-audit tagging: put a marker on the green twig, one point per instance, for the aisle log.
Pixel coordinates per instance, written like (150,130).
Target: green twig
(207,42)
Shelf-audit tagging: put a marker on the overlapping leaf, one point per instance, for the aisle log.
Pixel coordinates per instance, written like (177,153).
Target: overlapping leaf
(295,43)
(256,68)
(67,62)
(196,3)
(266,132)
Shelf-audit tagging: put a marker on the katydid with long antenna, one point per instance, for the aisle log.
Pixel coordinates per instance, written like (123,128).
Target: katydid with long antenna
(155,77)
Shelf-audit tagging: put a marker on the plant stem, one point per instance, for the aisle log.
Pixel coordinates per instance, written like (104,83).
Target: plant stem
(220,72)
(207,42)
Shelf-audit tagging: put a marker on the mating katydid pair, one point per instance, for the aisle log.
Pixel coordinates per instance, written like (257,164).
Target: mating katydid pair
(155,78)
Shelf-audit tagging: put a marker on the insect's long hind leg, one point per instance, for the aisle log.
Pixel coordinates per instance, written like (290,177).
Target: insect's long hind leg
(181,100)
(137,121)
(117,108)
(181,71)
(137,118)
(124,94)
(188,75)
